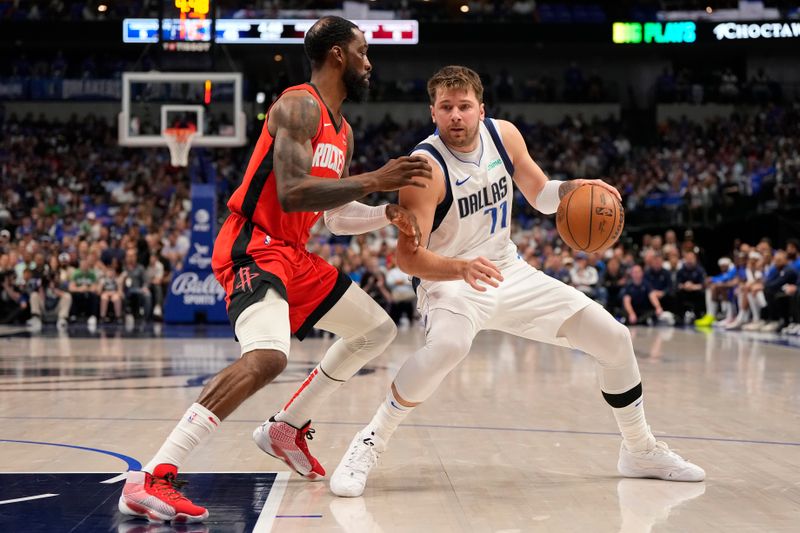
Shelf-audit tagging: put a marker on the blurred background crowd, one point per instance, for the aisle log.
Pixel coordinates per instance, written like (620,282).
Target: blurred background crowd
(92,232)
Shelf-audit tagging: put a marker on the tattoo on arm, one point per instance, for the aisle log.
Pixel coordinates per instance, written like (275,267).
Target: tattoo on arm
(296,121)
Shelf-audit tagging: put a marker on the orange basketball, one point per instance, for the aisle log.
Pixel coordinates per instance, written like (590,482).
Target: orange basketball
(590,219)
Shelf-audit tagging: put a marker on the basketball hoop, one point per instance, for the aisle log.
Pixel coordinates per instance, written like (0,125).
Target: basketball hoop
(179,142)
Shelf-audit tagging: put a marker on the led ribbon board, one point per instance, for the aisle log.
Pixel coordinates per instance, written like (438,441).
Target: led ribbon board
(764,30)
(263,31)
(654,32)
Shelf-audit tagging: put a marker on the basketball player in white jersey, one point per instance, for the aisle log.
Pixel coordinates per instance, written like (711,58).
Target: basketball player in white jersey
(464,218)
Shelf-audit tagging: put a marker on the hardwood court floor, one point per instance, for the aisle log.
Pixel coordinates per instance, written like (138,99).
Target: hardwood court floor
(517,438)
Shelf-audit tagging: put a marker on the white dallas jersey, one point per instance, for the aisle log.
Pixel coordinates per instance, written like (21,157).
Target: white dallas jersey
(474,219)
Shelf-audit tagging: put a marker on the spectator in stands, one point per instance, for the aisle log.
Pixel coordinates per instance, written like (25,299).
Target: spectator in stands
(85,292)
(636,298)
(584,276)
(779,288)
(613,282)
(793,253)
(374,283)
(691,280)
(48,300)
(110,292)
(716,294)
(662,295)
(13,305)
(175,248)
(157,281)
(754,290)
(138,299)
(554,268)
(403,296)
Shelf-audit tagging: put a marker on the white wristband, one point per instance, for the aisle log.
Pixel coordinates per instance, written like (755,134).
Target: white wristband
(356,218)
(547,201)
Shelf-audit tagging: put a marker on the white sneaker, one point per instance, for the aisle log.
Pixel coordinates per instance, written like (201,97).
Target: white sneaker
(34,324)
(62,323)
(771,327)
(666,318)
(91,323)
(735,325)
(659,462)
(755,325)
(350,477)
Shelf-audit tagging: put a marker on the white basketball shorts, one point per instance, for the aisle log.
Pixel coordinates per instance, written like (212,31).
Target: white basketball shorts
(528,303)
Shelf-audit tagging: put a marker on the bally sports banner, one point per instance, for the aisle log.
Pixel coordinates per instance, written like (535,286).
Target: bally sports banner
(194,293)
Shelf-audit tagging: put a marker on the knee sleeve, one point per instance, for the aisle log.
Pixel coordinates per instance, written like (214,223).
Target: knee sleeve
(594,331)
(365,330)
(446,344)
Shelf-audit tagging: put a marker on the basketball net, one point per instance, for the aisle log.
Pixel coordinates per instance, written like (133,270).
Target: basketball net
(179,142)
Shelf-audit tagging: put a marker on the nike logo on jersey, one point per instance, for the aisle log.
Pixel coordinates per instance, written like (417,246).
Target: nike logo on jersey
(489,195)
(462,182)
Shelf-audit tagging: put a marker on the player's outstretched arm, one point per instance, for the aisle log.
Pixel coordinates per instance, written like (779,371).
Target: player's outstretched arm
(542,194)
(293,121)
(355,218)
(421,262)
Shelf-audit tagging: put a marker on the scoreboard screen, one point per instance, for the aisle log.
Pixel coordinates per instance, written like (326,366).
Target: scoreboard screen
(255,31)
(187,21)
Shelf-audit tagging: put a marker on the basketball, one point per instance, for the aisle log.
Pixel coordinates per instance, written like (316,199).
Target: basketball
(590,219)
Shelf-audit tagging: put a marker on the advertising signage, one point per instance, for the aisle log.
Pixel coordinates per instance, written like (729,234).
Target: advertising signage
(690,32)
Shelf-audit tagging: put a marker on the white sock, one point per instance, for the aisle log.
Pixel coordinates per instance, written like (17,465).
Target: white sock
(196,424)
(388,416)
(311,394)
(711,305)
(633,426)
(727,308)
(754,306)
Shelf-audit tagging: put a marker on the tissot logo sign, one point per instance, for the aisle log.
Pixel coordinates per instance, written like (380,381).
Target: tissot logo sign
(766,30)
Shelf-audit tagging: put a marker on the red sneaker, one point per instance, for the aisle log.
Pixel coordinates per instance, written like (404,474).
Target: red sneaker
(155,497)
(288,444)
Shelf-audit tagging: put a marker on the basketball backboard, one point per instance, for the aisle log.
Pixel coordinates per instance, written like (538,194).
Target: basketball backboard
(153,102)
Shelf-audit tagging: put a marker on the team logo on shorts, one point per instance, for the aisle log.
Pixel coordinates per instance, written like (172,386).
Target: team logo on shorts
(245,279)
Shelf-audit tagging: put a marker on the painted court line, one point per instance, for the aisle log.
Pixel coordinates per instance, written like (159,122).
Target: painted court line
(428,426)
(27,498)
(270,509)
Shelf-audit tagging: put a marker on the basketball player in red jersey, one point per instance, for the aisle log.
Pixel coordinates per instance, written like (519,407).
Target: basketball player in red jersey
(274,286)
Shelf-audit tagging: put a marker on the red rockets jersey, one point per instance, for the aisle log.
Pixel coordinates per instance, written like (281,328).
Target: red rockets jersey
(256,199)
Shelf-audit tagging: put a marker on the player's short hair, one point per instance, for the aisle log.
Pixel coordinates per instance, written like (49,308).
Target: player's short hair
(326,33)
(455,77)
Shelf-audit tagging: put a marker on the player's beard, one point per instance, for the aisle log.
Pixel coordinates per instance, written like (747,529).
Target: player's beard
(467,138)
(357,85)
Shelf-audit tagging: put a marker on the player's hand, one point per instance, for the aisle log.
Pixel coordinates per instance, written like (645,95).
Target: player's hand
(405,221)
(481,269)
(613,190)
(405,171)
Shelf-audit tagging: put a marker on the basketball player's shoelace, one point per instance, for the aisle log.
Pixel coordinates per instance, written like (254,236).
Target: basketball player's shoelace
(309,435)
(363,458)
(168,486)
